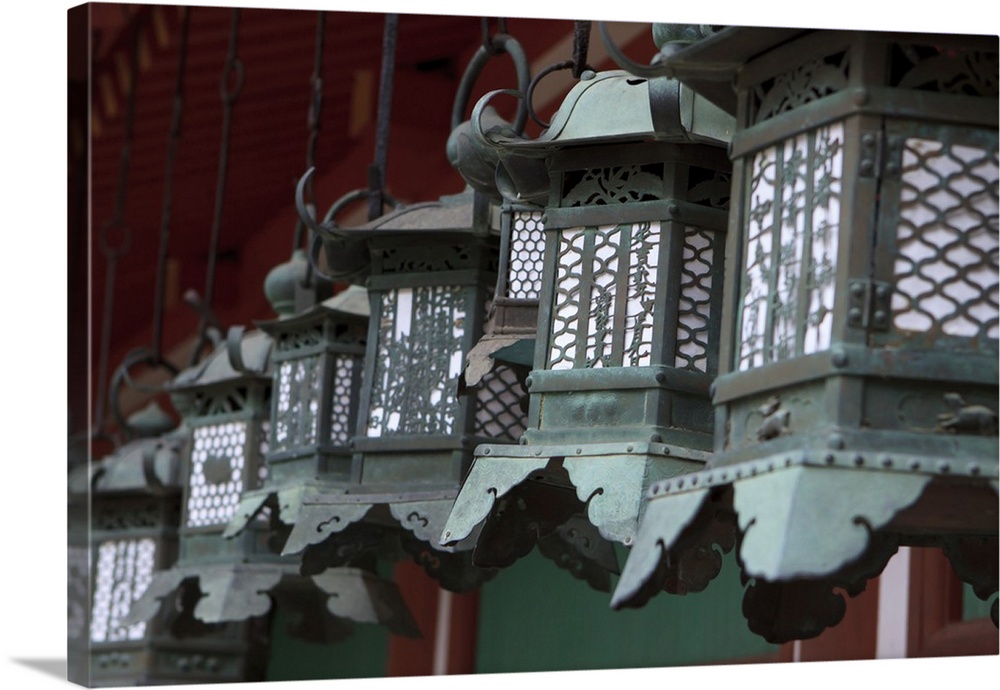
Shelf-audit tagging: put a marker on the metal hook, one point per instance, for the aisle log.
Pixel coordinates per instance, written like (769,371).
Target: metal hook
(647,71)
(503,44)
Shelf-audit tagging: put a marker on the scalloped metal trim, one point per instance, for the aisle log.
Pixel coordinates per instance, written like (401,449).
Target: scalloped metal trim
(488,479)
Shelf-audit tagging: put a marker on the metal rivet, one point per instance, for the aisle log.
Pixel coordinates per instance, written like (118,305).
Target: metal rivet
(882,291)
(739,474)
(861,98)
(656,489)
(854,315)
(886,461)
(723,476)
(673,209)
(914,465)
(528,382)
(656,438)
(694,481)
(579,451)
(770,467)
(627,541)
(880,316)
(523,441)
(538,451)
(587,74)
(680,483)
(447,535)
(974,469)
(859,460)
(839,358)
(944,467)
(829,459)
(487,451)
(629,449)
(666,451)
(709,479)
(891,168)
(857,289)
(788,462)
(660,377)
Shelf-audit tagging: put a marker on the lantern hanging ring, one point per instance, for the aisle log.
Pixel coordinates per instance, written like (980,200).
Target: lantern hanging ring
(122,375)
(568,64)
(500,43)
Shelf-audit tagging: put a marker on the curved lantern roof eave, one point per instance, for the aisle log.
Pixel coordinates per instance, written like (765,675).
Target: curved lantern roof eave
(142,465)
(255,347)
(351,305)
(465,213)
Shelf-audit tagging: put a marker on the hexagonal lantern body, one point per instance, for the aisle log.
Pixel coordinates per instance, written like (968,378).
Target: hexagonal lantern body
(433,272)
(856,401)
(638,183)
(135,505)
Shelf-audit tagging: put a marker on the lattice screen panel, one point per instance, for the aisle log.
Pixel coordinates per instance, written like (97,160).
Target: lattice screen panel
(124,570)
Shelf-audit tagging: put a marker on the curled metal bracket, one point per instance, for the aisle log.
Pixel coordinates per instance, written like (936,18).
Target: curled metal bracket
(121,375)
(153,481)
(647,71)
(501,43)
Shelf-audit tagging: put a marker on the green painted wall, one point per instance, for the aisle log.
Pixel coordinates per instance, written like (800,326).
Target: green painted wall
(537,617)
(362,655)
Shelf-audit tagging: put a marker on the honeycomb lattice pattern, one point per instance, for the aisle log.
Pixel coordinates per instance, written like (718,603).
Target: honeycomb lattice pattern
(124,570)
(527,249)
(693,312)
(498,405)
(946,264)
(217,466)
(343,394)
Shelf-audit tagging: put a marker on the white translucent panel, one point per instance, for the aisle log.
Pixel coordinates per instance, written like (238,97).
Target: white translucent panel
(229,453)
(825,239)
(946,242)
(792,236)
(565,318)
(419,355)
(601,301)
(694,306)
(123,571)
(644,263)
(527,250)
(756,287)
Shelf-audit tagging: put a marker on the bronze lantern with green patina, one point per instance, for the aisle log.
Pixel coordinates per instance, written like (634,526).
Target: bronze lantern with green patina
(431,270)
(856,398)
(134,497)
(634,181)
(234,583)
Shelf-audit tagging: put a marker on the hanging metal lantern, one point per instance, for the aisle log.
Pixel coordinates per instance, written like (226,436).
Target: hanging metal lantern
(433,270)
(856,401)
(225,401)
(637,181)
(135,505)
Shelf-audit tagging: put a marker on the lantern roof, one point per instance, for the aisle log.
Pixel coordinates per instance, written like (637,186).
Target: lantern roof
(465,213)
(218,367)
(145,464)
(710,65)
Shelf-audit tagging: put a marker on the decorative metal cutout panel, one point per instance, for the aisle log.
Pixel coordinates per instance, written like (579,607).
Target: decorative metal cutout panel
(300,385)
(297,340)
(946,243)
(616,185)
(217,471)
(605,274)
(527,248)
(417,362)
(147,515)
(498,405)
(123,572)
(694,307)
(791,239)
(931,68)
(804,84)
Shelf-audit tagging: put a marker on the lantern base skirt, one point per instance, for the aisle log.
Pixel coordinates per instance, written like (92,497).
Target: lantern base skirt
(804,528)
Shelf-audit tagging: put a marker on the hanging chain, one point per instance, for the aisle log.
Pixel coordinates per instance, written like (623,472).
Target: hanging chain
(312,123)
(117,222)
(229,89)
(376,173)
(168,187)
(581,44)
